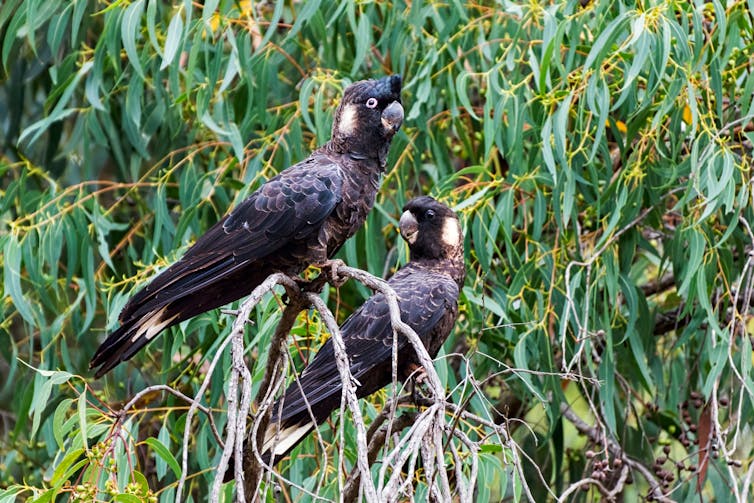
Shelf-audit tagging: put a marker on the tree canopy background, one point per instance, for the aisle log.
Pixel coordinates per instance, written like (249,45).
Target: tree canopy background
(599,153)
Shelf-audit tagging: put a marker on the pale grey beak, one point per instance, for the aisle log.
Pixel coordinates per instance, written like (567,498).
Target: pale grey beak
(392,117)
(409,227)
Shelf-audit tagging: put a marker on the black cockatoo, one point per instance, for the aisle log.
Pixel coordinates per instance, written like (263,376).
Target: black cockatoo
(298,218)
(427,288)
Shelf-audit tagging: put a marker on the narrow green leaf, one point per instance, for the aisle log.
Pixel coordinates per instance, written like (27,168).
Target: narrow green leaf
(521,359)
(82,419)
(560,130)
(127,498)
(91,91)
(12,277)
(463,95)
(67,466)
(7,9)
(607,393)
(208,11)
(231,71)
(696,246)
(551,42)
(59,420)
(79,9)
(174,40)
(308,9)
(11,493)
(490,448)
(608,37)
(57,29)
(363,37)
(303,100)
(42,390)
(60,111)
(161,466)
(151,18)
(547,151)
(164,454)
(130,31)
(12,31)
(746,363)
(569,198)
(277,14)
(640,57)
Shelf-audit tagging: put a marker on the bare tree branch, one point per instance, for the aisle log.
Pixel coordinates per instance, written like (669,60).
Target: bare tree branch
(377,437)
(349,389)
(273,380)
(236,413)
(429,436)
(616,450)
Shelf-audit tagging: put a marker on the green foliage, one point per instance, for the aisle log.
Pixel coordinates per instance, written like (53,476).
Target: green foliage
(600,156)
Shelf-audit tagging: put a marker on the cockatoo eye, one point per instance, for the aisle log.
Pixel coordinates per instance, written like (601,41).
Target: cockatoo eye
(371,102)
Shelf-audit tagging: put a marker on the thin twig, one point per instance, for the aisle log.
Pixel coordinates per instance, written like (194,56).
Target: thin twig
(163,387)
(349,391)
(237,417)
(189,417)
(377,437)
(273,380)
(616,450)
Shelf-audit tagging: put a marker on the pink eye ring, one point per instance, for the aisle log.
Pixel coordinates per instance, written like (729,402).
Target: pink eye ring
(371,102)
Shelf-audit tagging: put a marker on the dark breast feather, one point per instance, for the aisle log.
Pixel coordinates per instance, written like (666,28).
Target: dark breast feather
(361,182)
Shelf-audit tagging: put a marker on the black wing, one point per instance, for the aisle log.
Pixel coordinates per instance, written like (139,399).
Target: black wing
(289,207)
(230,259)
(424,300)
